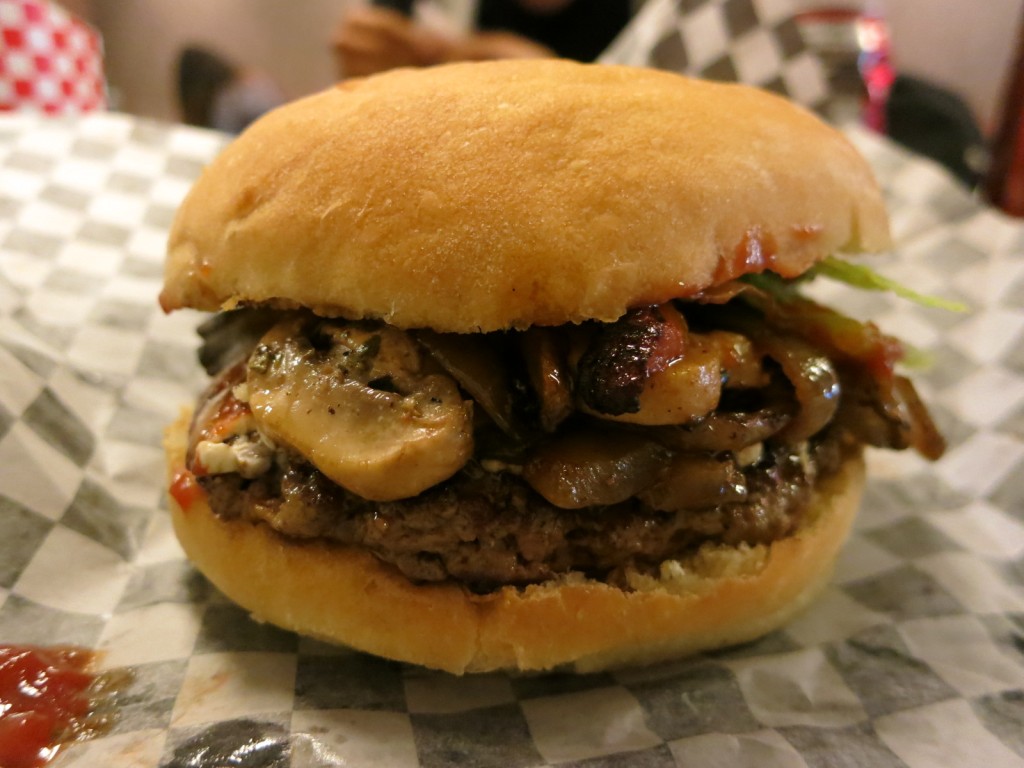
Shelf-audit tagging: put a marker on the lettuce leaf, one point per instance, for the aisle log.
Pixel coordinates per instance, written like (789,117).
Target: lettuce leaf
(860,276)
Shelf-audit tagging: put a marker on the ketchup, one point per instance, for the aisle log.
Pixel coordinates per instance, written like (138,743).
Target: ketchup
(44,702)
(184,490)
(229,410)
(756,252)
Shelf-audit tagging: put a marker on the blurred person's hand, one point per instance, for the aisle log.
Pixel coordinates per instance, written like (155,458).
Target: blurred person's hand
(371,39)
(497,45)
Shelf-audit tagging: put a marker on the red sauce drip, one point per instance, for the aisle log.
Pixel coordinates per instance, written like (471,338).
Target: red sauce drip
(222,422)
(185,490)
(755,253)
(44,702)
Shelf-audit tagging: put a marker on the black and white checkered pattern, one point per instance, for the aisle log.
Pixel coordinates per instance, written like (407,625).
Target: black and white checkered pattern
(913,657)
(749,41)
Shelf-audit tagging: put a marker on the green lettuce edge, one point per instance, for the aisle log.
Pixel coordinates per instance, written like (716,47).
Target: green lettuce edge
(865,278)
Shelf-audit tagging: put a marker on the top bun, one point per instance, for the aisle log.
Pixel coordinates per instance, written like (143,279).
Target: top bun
(483,196)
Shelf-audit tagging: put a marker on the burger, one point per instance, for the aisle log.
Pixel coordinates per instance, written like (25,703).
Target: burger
(512,367)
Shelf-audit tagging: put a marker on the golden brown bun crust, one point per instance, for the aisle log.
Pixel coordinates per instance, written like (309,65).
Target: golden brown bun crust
(505,194)
(348,596)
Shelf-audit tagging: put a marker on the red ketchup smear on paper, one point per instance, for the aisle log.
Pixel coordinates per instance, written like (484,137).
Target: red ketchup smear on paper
(44,702)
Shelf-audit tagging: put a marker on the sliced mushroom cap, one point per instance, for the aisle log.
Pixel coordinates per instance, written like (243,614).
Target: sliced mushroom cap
(686,389)
(479,368)
(725,430)
(356,402)
(614,369)
(693,482)
(593,467)
(549,375)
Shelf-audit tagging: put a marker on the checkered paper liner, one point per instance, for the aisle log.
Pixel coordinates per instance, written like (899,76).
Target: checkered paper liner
(756,42)
(912,657)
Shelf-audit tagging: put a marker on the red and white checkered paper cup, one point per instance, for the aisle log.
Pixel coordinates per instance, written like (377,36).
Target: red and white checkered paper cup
(50,61)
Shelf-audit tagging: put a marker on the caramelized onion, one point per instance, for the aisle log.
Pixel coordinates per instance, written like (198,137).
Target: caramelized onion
(814,380)
(921,431)
(879,407)
(889,416)
(590,467)
(841,338)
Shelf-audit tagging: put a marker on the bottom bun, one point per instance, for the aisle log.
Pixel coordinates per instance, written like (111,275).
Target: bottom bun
(719,597)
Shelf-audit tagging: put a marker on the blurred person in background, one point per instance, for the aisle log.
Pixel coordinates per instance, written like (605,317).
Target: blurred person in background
(214,93)
(394,33)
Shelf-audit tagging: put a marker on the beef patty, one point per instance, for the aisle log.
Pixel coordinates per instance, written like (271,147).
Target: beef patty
(490,528)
